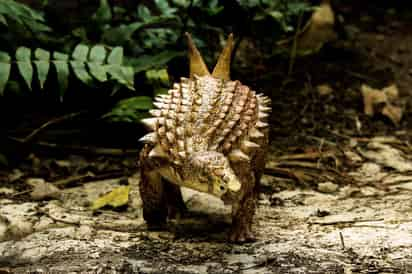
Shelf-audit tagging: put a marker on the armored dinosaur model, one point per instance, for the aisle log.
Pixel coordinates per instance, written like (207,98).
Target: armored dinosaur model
(210,134)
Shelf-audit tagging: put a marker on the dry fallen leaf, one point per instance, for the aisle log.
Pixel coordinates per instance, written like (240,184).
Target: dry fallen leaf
(319,29)
(116,198)
(324,90)
(382,101)
(371,98)
(393,112)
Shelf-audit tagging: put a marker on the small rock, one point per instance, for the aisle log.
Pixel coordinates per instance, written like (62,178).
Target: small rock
(268,181)
(42,190)
(63,163)
(324,90)
(15,175)
(327,187)
(6,191)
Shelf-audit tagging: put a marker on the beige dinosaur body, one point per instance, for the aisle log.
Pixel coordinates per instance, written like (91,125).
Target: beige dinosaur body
(209,134)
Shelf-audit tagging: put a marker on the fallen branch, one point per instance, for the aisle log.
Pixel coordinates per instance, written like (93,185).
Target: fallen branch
(83,149)
(338,222)
(69,116)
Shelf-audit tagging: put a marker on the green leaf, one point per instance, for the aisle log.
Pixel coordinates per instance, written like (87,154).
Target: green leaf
(3,20)
(115,56)
(97,54)
(123,75)
(5,67)
(138,102)
(42,65)
(144,13)
(98,71)
(3,160)
(79,69)
(121,34)
(146,62)
(165,8)
(62,70)
(97,57)
(130,110)
(24,64)
(116,198)
(103,13)
(80,53)
(157,77)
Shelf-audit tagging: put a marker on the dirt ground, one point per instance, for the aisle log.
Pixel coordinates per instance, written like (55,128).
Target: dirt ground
(336,197)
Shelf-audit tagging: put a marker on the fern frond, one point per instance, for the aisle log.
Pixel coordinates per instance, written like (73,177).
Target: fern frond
(87,64)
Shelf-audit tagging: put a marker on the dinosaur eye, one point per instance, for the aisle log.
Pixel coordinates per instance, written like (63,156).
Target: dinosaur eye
(222,188)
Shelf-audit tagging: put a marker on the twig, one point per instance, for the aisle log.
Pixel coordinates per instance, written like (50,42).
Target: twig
(51,122)
(309,155)
(82,149)
(84,178)
(360,76)
(342,240)
(346,221)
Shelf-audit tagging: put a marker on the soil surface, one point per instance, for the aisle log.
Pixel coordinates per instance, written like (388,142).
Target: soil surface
(336,197)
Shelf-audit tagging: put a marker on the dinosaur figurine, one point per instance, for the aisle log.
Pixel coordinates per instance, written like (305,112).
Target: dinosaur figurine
(210,134)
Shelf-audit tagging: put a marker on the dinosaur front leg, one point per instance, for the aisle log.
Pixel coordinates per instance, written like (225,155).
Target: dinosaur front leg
(152,192)
(176,206)
(242,218)
(244,209)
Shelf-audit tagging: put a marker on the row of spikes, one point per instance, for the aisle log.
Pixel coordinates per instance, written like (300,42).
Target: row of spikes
(234,155)
(239,119)
(255,133)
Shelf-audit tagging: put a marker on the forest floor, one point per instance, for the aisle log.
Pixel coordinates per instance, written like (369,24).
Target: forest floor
(336,196)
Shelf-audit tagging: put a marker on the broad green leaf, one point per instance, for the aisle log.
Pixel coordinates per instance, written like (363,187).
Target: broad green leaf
(97,54)
(98,71)
(144,13)
(138,102)
(80,53)
(103,13)
(115,56)
(123,75)
(79,69)
(42,54)
(165,8)
(38,27)
(23,10)
(62,70)
(156,77)
(60,56)
(3,20)
(24,64)
(117,197)
(97,57)
(81,33)
(42,65)
(146,62)
(4,70)
(121,34)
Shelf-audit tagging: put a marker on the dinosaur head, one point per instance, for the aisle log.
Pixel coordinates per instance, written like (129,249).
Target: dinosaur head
(210,172)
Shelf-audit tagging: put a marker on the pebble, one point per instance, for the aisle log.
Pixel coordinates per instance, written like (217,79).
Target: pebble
(327,187)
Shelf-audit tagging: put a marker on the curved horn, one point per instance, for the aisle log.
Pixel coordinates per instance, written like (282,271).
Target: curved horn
(197,65)
(222,68)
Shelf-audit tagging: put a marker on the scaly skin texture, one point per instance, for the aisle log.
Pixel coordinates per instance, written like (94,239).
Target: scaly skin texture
(197,153)
(209,134)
